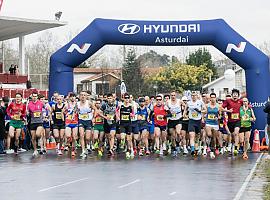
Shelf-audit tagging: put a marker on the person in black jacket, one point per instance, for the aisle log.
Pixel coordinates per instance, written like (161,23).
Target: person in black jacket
(2,126)
(267,110)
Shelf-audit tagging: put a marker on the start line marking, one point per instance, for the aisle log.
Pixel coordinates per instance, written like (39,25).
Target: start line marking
(61,185)
(128,184)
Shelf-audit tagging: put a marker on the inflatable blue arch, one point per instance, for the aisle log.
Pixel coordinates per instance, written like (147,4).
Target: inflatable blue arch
(165,33)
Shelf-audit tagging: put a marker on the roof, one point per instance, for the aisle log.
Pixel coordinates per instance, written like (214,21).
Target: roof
(219,79)
(93,78)
(12,27)
(95,70)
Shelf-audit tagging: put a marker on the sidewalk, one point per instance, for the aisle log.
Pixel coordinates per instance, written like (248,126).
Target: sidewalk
(255,190)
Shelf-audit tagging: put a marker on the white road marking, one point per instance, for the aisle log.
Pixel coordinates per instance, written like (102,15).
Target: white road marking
(242,189)
(172,193)
(61,185)
(128,184)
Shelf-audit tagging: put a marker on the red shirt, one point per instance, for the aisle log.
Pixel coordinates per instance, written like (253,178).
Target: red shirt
(14,109)
(160,115)
(235,105)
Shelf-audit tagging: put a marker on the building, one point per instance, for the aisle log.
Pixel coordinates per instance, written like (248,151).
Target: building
(221,86)
(96,80)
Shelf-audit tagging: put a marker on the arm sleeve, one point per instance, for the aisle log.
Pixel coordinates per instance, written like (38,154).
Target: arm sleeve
(9,109)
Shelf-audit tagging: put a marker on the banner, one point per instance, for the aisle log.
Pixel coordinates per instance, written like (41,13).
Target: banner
(1,3)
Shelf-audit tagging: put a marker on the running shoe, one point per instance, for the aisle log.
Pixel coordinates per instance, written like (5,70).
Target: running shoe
(217,152)
(235,152)
(192,153)
(212,155)
(10,151)
(21,150)
(222,151)
(60,153)
(96,145)
(205,151)
(73,153)
(83,155)
(127,155)
(161,151)
(185,151)
(35,153)
(132,154)
(141,152)
(164,147)
(178,150)
(122,144)
(208,149)
(245,156)
(100,154)
(66,148)
(174,154)
(16,150)
(135,151)
(157,151)
(147,152)
(111,152)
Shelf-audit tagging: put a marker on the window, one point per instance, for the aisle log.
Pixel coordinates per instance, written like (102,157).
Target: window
(79,88)
(102,88)
(226,90)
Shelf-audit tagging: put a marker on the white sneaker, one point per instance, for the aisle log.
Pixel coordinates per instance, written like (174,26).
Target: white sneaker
(161,151)
(35,153)
(212,155)
(21,150)
(164,147)
(205,151)
(10,151)
(230,147)
(60,153)
(185,151)
(132,154)
(222,151)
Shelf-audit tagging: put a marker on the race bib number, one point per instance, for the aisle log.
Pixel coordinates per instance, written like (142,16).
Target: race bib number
(69,117)
(37,114)
(245,118)
(99,120)
(160,117)
(235,115)
(173,115)
(84,116)
(111,117)
(211,116)
(58,115)
(221,125)
(125,117)
(194,114)
(142,117)
(16,117)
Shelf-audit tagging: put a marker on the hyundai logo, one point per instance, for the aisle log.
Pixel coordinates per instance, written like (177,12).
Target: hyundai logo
(129,29)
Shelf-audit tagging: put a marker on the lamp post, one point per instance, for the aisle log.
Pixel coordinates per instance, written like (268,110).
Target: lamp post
(155,87)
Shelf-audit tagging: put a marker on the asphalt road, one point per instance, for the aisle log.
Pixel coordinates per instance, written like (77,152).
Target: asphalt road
(147,178)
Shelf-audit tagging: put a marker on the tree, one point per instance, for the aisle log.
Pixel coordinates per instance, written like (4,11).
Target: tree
(180,77)
(132,73)
(202,57)
(153,59)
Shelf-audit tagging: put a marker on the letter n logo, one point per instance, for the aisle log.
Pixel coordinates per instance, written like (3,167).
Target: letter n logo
(81,50)
(240,48)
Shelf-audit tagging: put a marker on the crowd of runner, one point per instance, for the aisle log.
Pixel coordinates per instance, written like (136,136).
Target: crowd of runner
(162,125)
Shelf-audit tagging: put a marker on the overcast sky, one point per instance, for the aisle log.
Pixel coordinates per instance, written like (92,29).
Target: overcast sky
(250,18)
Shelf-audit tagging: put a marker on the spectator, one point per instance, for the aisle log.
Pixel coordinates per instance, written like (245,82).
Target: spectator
(12,69)
(267,110)
(16,68)
(2,126)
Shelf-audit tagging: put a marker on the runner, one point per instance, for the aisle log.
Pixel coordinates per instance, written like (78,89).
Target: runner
(34,109)
(134,125)
(143,119)
(58,123)
(151,127)
(174,123)
(161,112)
(184,130)
(247,116)
(71,122)
(86,112)
(46,110)
(98,127)
(234,122)
(17,113)
(211,123)
(109,110)
(125,114)
(195,109)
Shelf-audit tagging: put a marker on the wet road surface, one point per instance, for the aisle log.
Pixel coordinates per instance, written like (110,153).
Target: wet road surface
(146,178)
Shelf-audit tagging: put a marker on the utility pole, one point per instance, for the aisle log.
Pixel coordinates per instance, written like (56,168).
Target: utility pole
(124,59)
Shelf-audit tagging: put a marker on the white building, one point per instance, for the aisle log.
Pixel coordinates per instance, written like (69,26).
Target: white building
(221,86)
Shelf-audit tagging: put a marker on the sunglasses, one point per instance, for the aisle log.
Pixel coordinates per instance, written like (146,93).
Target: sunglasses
(126,97)
(245,101)
(159,99)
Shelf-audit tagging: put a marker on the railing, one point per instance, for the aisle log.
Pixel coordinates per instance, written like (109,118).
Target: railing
(14,79)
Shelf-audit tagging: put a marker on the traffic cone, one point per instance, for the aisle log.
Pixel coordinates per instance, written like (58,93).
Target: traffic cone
(256,141)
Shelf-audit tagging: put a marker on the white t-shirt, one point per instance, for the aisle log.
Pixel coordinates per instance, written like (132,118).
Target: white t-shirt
(175,110)
(193,114)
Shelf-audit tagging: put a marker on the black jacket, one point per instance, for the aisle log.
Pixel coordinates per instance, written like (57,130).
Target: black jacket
(2,122)
(267,109)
